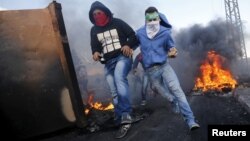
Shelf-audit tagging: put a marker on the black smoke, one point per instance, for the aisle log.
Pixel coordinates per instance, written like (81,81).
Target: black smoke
(194,42)
(198,40)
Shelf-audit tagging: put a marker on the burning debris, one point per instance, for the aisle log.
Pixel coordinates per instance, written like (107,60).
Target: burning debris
(100,115)
(214,54)
(99,119)
(97,105)
(213,77)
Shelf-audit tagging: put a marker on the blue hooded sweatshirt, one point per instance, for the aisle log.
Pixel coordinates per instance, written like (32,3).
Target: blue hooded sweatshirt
(154,51)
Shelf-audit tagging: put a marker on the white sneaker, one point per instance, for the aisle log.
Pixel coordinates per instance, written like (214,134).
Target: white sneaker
(194,126)
(122,131)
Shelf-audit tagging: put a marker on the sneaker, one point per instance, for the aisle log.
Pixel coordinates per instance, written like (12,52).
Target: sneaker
(194,126)
(136,118)
(122,131)
(143,102)
(175,107)
(126,119)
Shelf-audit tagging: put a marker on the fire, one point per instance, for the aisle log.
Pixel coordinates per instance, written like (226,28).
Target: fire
(213,76)
(97,105)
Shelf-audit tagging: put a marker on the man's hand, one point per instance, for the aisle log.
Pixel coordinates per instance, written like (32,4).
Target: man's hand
(96,56)
(127,51)
(172,53)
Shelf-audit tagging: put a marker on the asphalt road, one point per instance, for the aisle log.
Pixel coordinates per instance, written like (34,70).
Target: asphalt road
(162,124)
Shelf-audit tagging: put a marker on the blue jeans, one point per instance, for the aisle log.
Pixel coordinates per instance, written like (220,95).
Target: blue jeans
(165,81)
(116,71)
(144,86)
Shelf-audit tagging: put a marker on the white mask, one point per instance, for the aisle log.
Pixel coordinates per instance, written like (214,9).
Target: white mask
(152,28)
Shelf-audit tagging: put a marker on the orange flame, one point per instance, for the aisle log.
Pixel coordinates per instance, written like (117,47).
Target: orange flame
(97,105)
(213,76)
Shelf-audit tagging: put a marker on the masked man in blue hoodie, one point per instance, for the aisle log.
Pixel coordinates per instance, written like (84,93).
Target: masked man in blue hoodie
(156,46)
(112,41)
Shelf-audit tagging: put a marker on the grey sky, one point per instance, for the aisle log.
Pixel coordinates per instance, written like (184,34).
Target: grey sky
(180,13)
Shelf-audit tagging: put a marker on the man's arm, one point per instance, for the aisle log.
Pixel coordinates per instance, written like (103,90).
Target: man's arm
(95,46)
(130,33)
(172,51)
(132,41)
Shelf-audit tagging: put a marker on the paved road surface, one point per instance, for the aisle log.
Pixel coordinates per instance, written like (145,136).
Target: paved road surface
(164,125)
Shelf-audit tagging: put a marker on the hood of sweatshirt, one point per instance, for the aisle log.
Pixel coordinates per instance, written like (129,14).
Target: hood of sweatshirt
(98,5)
(164,21)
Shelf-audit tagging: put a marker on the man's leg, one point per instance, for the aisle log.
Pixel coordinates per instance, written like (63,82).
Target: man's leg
(123,66)
(155,77)
(109,74)
(144,88)
(111,81)
(173,84)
